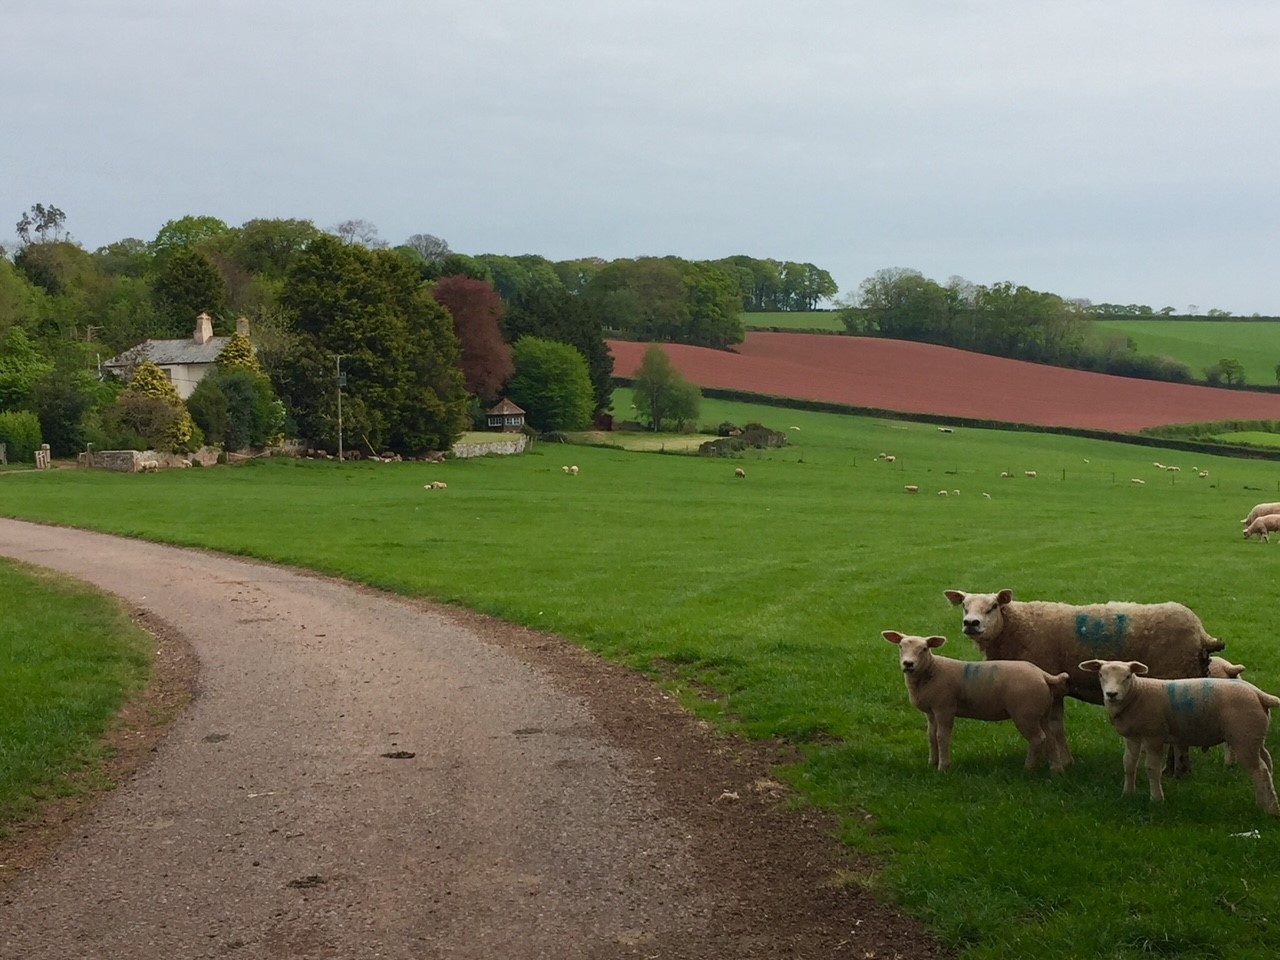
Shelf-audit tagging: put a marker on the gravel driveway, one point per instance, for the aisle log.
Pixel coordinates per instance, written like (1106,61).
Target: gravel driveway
(362,776)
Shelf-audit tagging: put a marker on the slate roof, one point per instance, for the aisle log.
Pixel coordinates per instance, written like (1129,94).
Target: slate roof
(163,352)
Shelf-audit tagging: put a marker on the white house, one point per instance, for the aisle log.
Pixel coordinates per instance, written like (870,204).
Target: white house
(184,362)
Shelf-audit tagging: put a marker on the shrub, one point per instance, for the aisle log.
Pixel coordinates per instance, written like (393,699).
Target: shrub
(20,433)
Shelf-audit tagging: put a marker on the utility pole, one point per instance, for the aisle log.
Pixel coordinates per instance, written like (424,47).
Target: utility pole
(338,363)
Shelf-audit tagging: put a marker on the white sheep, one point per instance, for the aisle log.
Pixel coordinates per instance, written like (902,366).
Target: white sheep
(573,470)
(565,468)
(1261,510)
(1202,474)
(942,493)
(1220,668)
(955,493)
(149,466)
(1174,469)
(1203,712)
(943,689)
(912,488)
(1138,480)
(889,458)
(986,495)
(1057,636)
(1157,464)
(1263,527)
(944,430)
(1030,474)
(739,472)
(1005,474)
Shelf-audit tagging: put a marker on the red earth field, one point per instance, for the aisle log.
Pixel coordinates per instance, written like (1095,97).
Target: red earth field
(922,378)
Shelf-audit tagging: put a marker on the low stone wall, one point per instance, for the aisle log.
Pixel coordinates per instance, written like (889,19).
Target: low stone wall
(131,461)
(502,445)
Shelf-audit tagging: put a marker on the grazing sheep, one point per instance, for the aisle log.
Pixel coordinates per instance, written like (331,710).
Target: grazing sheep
(1202,474)
(1138,480)
(739,472)
(942,493)
(435,485)
(1005,474)
(1086,459)
(955,493)
(565,468)
(911,488)
(1261,510)
(1174,469)
(1157,464)
(793,428)
(1057,636)
(1203,712)
(889,458)
(987,495)
(1031,474)
(149,466)
(943,689)
(1263,527)
(944,430)
(573,470)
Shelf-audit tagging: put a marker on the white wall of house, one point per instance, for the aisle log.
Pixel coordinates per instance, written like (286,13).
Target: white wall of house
(185,376)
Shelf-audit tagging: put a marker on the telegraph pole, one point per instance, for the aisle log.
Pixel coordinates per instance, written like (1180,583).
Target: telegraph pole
(338,364)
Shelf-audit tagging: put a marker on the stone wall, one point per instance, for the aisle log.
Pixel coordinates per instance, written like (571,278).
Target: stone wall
(502,444)
(130,461)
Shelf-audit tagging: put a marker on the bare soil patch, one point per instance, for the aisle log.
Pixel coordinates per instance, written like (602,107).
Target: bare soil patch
(922,378)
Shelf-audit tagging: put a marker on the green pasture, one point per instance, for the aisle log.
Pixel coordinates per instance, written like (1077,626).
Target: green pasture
(793,320)
(68,658)
(1253,438)
(772,590)
(1202,343)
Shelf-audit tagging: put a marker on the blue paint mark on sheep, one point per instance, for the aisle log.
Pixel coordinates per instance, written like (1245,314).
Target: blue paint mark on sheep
(1101,635)
(1188,696)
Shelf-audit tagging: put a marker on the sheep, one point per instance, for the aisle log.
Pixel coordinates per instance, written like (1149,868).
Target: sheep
(573,470)
(986,495)
(943,689)
(435,485)
(1261,510)
(942,493)
(1029,474)
(1203,474)
(1203,712)
(739,472)
(149,466)
(1174,469)
(1221,668)
(1157,464)
(955,493)
(911,488)
(944,430)
(565,468)
(1004,474)
(1263,527)
(1057,636)
(889,458)
(1138,480)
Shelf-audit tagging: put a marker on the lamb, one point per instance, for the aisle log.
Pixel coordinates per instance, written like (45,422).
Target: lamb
(739,472)
(1261,510)
(1263,527)
(1150,713)
(1203,474)
(565,468)
(1221,668)
(1029,474)
(942,493)
(573,470)
(889,458)
(1057,636)
(912,488)
(943,689)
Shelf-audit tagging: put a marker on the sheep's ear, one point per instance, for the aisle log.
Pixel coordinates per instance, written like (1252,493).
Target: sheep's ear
(1091,666)
(936,641)
(1004,596)
(1138,667)
(955,596)
(893,636)
(1235,670)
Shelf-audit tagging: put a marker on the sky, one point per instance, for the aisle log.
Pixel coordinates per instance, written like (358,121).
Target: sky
(1120,151)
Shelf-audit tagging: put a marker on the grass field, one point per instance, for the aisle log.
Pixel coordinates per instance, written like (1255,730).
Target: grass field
(68,658)
(794,320)
(772,591)
(1202,343)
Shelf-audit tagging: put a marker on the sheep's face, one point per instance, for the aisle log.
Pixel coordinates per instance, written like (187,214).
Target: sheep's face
(1222,669)
(982,613)
(914,653)
(1115,677)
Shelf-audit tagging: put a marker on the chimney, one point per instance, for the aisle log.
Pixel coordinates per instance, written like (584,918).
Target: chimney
(204,329)
(242,326)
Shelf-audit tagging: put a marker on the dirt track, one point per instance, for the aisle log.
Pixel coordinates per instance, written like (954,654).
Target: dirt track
(553,806)
(923,378)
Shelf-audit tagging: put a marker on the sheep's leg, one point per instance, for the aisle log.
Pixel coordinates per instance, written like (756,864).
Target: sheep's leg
(1155,768)
(1228,757)
(1132,751)
(933,739)
(943,723)
(1032,730)
(1179,761)
(1259,768)
(1058,731)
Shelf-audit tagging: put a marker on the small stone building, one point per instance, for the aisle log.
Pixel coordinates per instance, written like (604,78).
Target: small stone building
(506,416)
(184,362)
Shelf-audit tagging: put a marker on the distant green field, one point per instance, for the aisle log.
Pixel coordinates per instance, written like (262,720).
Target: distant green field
(1202,343)
(795,320)
(772,590)
(1253,438)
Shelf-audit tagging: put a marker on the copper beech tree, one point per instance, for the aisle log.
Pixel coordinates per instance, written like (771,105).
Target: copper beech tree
(477,309)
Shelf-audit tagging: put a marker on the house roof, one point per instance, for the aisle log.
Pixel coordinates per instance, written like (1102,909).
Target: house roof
(163,352)
(505,406)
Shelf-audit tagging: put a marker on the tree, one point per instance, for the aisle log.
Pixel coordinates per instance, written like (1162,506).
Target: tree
(1232,372)
(430,248)
(22,366)
(238,353)
(43,221)
(477,310)
(236,408)
(405,391)
(268,247)
(552,384)
(187,286)
(359,232)
(661,392)
(555,314)
(187,232)
(149,410)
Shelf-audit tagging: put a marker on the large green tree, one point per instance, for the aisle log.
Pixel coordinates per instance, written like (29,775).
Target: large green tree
(555,314)
(551,384)
(404,388)
(662,393)
(188,285)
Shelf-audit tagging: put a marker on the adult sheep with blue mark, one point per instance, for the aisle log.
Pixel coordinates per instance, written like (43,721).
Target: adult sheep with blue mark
(1057,637)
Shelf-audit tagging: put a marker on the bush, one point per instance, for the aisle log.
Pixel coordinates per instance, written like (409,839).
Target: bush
(20,433)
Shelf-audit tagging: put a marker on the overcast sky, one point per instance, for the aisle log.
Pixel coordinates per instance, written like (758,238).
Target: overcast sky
(1118,150)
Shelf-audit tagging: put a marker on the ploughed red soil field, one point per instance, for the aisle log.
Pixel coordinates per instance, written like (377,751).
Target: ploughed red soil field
(922,378)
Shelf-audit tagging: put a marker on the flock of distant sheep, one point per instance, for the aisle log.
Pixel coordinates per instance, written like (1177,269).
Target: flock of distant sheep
(1153,666)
